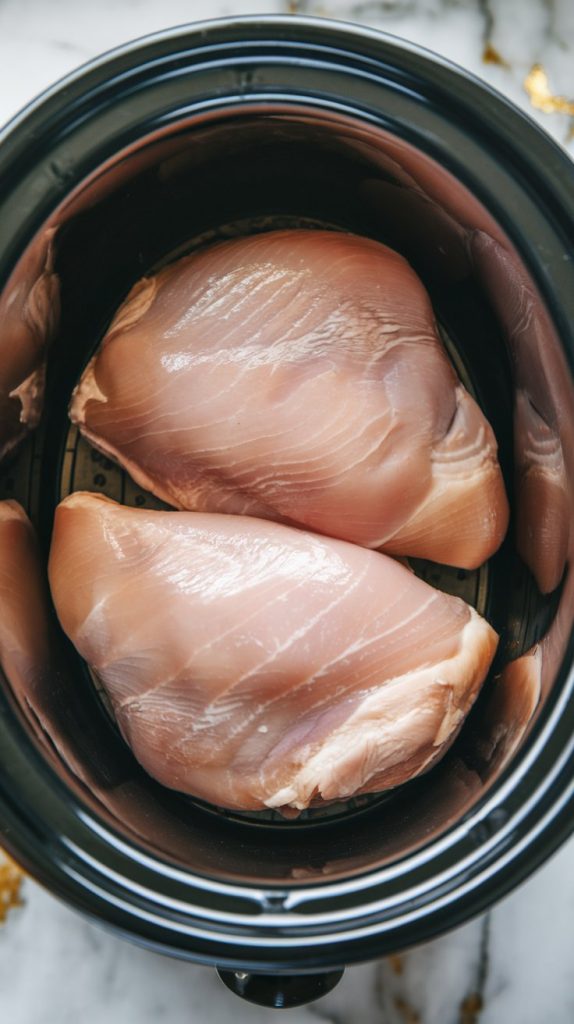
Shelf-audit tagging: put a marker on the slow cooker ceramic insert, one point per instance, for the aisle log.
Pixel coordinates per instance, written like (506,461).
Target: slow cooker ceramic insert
(233,127)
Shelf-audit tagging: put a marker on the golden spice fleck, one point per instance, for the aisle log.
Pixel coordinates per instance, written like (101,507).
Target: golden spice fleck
(490,55)
(10,882)
(396,963)
(537,86)
(470,1009)
(406,1011)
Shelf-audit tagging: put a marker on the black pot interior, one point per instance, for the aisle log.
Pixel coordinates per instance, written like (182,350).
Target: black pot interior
(235,173)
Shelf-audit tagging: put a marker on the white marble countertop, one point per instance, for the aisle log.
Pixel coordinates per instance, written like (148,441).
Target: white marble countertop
(518,958)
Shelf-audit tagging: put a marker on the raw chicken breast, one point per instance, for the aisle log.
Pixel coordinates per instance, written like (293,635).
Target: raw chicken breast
(255,665)
(298,376)
(78,745)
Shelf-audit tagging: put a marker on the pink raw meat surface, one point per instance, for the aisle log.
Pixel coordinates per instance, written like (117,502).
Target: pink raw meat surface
(298,376)
(255,665)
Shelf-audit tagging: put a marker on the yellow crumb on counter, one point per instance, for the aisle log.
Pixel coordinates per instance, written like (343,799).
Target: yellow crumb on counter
(10,882)
(540,95)
(490,55)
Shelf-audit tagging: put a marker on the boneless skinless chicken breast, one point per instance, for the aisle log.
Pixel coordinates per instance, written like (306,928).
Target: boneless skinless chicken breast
(255,665)
(298,376)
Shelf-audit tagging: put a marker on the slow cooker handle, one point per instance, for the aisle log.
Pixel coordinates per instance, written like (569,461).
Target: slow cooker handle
(280,991)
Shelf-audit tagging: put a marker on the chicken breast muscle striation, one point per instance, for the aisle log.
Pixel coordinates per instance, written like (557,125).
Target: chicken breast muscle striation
(298,376)
(255,665)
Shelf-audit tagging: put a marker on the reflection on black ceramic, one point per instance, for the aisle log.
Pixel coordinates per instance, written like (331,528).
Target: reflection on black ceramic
(132,177)
(543,424)
(282,992)
(29,312)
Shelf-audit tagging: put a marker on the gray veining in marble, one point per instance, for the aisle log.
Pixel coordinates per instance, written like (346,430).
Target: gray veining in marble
(518,959)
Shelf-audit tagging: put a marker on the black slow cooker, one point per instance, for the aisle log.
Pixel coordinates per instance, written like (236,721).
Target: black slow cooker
(236,126)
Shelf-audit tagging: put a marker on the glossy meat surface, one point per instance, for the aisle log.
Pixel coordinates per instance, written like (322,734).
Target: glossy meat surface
(255,665)
(298,376)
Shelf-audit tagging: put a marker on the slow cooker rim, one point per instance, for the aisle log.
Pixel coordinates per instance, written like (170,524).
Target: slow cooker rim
(562,824)
(264,942)
(34,116)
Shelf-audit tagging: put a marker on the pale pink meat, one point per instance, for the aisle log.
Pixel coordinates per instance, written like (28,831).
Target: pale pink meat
(255,665)
(298,376)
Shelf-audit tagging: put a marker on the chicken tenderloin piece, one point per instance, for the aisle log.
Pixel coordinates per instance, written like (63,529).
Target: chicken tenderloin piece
(298,376)
(255,665)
